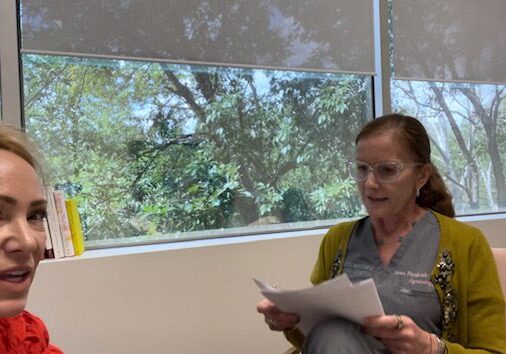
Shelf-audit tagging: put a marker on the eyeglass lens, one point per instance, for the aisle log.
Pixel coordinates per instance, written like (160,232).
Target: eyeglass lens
(384,171)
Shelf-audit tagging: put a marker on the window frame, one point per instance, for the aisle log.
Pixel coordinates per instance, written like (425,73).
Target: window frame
(10,73)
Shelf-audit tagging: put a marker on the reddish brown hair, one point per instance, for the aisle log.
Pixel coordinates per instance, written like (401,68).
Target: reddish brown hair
(412,134)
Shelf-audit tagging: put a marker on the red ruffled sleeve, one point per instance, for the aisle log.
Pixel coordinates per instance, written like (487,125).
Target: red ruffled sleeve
(25,333)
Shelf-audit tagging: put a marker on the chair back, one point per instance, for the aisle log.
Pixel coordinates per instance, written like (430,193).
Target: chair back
(500,260)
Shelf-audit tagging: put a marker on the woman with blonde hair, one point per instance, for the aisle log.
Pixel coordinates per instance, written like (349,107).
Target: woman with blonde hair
(22,242)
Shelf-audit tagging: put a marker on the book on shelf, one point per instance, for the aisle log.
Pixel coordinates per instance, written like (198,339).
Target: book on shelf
(64,234)
(54,227)
(49,253)
(75,226)
(63,222)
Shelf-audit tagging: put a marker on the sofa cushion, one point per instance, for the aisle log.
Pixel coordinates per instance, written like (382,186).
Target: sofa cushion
(500,259)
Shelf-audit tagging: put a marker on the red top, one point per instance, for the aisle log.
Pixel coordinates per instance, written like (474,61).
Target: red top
(25,334)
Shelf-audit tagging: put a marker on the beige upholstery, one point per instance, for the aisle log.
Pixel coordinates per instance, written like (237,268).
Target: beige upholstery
(500,259)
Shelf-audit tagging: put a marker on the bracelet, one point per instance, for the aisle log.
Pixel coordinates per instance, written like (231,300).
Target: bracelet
(441,346)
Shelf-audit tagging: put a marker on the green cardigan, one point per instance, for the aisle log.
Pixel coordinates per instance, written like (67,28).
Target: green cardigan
(465,278)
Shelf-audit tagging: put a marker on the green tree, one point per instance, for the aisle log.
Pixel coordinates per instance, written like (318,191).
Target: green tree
(151,149)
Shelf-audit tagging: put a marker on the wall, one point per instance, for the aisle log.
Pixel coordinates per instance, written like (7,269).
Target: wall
(186,300)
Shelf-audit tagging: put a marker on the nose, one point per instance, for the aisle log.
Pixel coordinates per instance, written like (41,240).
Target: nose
(20,237)
(370,180)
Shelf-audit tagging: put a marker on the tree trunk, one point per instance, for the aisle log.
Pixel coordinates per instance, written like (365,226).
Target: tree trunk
(472,185)
(490,126)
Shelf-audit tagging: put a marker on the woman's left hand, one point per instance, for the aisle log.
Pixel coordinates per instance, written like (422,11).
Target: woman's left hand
(400,334)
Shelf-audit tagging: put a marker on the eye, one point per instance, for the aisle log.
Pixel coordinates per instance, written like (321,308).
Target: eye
(37,216)
(387,169)
(362,168)
(4,214)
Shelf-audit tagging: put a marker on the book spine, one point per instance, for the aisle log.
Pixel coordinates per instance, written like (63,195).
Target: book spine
(48,253)
(63,220)
(54,228)
(75,226)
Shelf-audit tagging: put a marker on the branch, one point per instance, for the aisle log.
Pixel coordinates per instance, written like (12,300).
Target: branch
(182,91)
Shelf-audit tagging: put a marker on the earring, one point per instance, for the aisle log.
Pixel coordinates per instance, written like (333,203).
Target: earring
(417,192)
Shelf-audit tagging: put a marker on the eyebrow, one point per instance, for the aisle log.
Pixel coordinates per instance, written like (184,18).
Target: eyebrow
(40,202)
(9,200)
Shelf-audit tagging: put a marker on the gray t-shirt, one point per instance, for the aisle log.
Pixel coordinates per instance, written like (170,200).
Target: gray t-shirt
(404,285)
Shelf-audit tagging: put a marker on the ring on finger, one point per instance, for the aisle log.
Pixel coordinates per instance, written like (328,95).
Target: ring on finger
(400,323)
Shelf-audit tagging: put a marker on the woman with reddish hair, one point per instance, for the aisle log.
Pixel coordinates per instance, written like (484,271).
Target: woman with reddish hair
(436,277)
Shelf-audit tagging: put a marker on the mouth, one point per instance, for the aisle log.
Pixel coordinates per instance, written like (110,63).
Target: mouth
(15,275)
(376,199)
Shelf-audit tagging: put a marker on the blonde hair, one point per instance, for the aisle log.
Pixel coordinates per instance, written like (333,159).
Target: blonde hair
(17,142)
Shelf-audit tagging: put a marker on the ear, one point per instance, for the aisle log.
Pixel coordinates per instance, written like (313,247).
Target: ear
(424,175)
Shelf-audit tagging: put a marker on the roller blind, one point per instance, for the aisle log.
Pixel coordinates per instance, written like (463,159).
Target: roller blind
(334,35)
(450,40)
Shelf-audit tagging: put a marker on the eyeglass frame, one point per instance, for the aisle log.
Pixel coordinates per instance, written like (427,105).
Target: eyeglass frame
(400,166)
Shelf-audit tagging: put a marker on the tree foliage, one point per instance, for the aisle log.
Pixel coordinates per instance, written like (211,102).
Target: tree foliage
(466,125)
(152,149)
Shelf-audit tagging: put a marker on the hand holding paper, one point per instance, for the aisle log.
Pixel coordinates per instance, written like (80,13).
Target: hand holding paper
(334,298)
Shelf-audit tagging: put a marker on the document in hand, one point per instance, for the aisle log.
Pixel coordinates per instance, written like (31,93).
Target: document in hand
(337,297)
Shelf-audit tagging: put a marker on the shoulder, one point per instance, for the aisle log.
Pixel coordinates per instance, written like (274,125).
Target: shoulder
(341,230)
(456,231)
(22,333)
(32,320)
(35,328)
(338,235)
(342,226)
(24,324)
(36,335)
(335,239)
(466,242)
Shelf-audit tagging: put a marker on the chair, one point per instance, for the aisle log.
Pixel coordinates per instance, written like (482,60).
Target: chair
(292,350)
(500,260)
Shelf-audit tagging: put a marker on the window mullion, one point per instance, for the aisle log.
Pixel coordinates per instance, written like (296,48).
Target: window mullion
(382,98)
(9,60)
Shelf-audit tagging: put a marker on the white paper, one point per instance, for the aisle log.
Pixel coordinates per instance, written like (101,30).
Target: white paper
(337,297)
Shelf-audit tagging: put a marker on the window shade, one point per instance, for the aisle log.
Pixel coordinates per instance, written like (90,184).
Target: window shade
(461,40)
(312,34)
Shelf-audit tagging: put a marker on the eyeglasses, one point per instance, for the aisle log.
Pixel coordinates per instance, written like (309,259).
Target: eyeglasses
(384,171)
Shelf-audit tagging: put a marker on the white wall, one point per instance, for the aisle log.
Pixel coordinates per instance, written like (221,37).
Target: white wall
(188,300)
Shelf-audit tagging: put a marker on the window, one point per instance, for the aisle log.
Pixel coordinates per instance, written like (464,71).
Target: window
(161,150)
(199,119)
(466,126)
(448,70)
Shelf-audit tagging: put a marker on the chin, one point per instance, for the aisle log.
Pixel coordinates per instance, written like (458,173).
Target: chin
(377,212)
(11,308)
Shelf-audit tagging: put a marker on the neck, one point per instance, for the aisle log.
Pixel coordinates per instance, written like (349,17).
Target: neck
(390,229)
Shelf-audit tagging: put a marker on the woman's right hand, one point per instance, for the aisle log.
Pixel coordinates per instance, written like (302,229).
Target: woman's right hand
(276,319)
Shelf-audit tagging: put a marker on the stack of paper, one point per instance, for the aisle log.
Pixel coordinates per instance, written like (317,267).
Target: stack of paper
(337,297)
